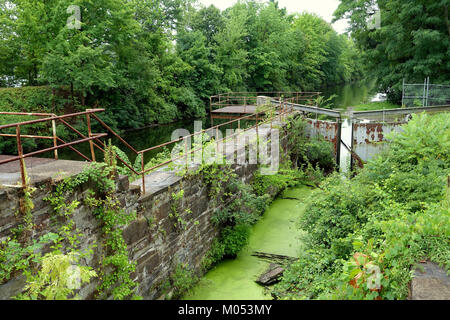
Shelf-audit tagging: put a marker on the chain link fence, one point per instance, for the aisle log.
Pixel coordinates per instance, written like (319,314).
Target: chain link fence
(425,94)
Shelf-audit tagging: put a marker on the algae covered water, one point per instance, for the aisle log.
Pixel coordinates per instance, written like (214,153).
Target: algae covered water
(277,232)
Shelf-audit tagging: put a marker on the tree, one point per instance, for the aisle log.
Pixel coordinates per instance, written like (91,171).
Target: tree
(209,21)
(231,53)
(412,42)
(86,58)
(203,76)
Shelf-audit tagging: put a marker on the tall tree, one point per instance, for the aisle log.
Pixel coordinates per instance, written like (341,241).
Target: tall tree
(232,54)
(412,41)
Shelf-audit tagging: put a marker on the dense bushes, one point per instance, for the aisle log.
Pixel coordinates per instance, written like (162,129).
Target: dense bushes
(305,151)
(235,219)
(390,216)
(31,99)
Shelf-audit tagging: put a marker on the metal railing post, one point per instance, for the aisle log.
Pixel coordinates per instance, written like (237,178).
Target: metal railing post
(142,172)
(55,140)
(257,140)
(91,143)
(210,111)
(20,153)
(217,142)
(186,152)
(338,142)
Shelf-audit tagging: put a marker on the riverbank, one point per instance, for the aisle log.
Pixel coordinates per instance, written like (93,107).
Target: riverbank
(375,105)
(276,232)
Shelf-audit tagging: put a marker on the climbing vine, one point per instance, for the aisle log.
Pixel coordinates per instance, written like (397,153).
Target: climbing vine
(106,209)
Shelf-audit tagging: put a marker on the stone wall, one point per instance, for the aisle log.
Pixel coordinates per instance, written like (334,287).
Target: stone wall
(152,239)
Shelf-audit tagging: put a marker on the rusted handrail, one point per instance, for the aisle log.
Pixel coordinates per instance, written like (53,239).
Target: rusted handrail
(71,115)
(48,117)
(95,142)
(67,144)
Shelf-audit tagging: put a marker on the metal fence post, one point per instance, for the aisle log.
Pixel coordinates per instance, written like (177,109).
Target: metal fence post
(424,89)
(91,143)
(403,92)
(186,152)
(351,144)
(142,172)
(338,142)
(20,153)
(257,140)
(55,141)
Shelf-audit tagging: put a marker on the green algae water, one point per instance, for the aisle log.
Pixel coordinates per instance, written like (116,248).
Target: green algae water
(276,233)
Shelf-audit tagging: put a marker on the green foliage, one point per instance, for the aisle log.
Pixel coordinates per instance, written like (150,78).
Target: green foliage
(235,219)
(311,154)
(110,213)
(234,239)
(411,42)
(214,255)
(215,175)
(275,184)
(178,221)
(58,278)
(245,209)
(31,99)
(182,280)
(376,106)
(326,103)
(107,209)
(14,257)
(394,213)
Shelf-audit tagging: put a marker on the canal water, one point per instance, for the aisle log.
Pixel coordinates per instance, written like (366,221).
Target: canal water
(277,233)
(352,94)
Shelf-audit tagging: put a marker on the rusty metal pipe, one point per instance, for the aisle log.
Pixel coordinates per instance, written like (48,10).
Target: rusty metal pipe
(26,136)
(115,134)
(73,149)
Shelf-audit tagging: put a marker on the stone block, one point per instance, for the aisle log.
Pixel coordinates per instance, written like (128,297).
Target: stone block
(136,230)
(430,282)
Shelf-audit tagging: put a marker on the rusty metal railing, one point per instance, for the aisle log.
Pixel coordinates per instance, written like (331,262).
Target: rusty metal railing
(52,118)
(262,116)
(250,98)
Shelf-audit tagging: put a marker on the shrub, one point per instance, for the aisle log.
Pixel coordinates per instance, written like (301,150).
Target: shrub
(32,99)
(234,239)
(304,151)
(182,280)
(394,213)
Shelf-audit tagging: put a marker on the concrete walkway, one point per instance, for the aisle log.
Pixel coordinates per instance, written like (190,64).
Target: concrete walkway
(38,169)
(41,169)
(163,177)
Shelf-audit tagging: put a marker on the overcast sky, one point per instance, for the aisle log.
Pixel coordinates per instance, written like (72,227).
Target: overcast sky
(323,8)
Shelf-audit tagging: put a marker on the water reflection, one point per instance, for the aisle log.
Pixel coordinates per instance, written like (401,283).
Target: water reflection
(351,94)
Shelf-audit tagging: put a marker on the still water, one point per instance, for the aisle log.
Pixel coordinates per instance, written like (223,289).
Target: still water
(352,94)
(277,233)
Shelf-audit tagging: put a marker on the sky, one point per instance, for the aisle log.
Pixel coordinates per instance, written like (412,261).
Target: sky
(323,8)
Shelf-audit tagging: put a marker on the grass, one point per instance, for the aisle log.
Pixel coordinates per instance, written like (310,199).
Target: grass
(375,106)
